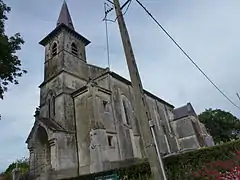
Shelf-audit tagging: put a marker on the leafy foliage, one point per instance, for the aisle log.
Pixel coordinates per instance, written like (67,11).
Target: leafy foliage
(229,169)
(205,163)
(186,165)
(21,164)
(222,125)
(10,64)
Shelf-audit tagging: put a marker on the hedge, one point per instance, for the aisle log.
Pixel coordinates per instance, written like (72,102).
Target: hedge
(184,166)
(140,171)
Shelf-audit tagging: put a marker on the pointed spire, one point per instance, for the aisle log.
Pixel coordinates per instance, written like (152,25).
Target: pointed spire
(64,17)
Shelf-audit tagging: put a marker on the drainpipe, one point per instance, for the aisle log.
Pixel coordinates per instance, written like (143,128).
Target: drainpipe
(151,124)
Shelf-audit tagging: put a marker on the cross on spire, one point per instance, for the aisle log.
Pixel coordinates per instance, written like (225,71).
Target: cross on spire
(64,17)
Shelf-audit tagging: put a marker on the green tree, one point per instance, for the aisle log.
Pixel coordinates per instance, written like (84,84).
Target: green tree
(21,164)
(10,64)
(222,125)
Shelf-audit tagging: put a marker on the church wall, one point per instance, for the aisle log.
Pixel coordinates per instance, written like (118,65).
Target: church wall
(104,81)
(56,87)
(79,68)
(135,128)
(72,83)
(170,113)
(105,111)
(120,90)
(59,115)
(158,114)
(190,142)
(183,127)
(75,66)
(63,102)
(93,113)
(163,116)
(128,135)
(106,116)
(166,115)
(53,64)
(63,111)
(68,120)
(84,116)
(185,133)
(58,38)
(68,40)
(56,84)
(94,71)
(66,152)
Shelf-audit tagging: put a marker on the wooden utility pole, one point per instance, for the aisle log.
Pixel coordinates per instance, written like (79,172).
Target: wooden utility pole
(140,104)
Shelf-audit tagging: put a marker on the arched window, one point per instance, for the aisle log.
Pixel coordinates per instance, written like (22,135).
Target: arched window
(51,104)
(74,49)
(127,111)
(54,49)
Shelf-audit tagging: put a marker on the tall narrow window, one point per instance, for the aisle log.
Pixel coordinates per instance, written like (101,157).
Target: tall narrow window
(51,105)
(110,143)
(105,104)
(54,49)
(49,108)
(74,49)
(126,112)
(164,129)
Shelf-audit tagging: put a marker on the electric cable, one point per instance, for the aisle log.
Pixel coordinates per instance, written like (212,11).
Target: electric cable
(186,54)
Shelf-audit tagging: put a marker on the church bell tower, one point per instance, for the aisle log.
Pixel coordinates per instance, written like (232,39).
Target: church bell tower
(61,42)
(65,70)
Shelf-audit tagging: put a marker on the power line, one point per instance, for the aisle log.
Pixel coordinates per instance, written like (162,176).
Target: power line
(238,96)
(108,9)
(128,3)
(192,61)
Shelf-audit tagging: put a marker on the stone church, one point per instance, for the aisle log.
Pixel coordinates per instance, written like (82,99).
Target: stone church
(85,122)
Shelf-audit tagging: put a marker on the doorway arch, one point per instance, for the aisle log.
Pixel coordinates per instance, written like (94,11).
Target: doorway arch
(43,151)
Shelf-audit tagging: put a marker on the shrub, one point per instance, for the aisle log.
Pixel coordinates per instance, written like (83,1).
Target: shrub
(213,163)
(203,163)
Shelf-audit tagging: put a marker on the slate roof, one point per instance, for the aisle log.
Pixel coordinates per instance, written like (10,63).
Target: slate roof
(124,80)
(49,123)
(184,111)
(64,22)
(117,76)
(64,17)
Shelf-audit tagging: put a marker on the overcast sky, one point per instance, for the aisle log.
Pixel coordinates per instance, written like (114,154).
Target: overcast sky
(208,30)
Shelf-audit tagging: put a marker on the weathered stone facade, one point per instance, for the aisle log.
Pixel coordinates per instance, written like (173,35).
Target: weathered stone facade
(86,121)
(190,132)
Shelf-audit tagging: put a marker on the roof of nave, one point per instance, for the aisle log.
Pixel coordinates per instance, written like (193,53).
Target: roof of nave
(184,111)
(127,82)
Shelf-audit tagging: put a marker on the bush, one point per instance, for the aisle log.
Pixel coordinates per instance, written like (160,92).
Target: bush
(140,171)
(203,162)
(206,163)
